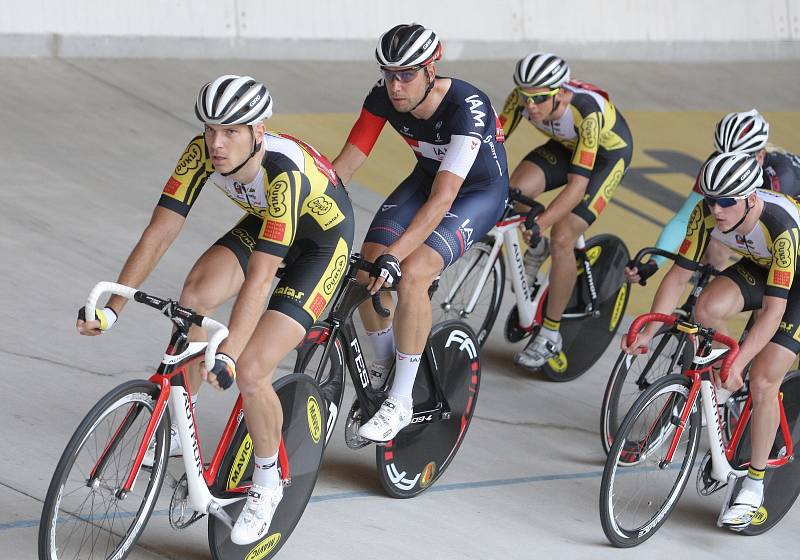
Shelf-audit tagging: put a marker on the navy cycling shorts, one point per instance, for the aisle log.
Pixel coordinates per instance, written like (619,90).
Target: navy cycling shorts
(475,211)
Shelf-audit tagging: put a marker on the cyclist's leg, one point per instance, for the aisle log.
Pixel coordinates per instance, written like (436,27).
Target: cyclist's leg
(216,277)
(740,287)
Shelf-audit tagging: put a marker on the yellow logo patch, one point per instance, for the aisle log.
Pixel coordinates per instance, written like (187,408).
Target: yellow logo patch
(314,419)
(558,363)
(240,462)
(760,516)
(264,547)
(619,306)
(427,475)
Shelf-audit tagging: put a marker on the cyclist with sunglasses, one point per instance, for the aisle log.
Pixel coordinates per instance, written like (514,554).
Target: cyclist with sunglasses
(296,212)
(453,197)
(762,227)
(745,131)
(589,151)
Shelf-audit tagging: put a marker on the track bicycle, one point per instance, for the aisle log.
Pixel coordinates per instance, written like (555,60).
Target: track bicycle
(655,449)
(472,290)
(669,351)
(445,390)
(101,496)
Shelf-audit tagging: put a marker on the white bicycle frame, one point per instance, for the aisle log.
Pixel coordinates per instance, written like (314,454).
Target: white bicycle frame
(200,496)
(505,235)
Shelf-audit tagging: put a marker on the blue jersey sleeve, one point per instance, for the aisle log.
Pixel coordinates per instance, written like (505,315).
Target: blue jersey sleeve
(675,230)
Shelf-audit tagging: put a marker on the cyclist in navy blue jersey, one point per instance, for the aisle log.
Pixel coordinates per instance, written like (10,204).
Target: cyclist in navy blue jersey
(453,197)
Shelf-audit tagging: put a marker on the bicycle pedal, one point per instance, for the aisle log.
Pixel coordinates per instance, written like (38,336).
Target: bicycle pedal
(706,485)
(351,436)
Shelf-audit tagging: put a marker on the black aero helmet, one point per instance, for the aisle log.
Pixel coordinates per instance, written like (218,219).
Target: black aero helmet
(407,46)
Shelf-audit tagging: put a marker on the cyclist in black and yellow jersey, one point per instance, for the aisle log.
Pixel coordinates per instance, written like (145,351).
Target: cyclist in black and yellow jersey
(298,213)
(589,150)
(764,229)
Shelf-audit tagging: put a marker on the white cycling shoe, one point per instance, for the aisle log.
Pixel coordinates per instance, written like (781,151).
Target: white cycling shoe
(391,417)
(740,514)
(536,354)
(175,449)
(256,517)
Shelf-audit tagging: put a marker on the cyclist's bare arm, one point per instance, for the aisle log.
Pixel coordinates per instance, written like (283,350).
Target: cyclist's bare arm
(667,297)
(251,301)
(159,234)
(566,200)
(348,161)
(443,192)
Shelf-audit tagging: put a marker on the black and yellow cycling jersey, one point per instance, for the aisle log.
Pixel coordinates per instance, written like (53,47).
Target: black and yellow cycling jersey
(590,127)
(772,245)
(297,209)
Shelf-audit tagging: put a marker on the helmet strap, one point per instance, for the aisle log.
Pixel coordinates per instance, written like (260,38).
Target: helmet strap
(747,211)
(256,149)
(428,88)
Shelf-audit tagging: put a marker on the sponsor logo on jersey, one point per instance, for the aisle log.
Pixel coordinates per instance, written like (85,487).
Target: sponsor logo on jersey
(275,231)
(276,198)
(685,246)
(477,115)
(330,283)
(245,237)
(587,158)
(320,205)
(190,159)
(172,186)
(782,278)
(589,132)
(289,292)
(318,304)
(781,251)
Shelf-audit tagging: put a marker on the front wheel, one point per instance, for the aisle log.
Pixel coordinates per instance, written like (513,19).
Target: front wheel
(460,283)
(639,489)
(86,511)
(417,457)
(633,374)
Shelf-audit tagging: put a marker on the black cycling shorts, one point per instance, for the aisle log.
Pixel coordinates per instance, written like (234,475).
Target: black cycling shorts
(475,211)
(313,268)
(554,159)
(752,280)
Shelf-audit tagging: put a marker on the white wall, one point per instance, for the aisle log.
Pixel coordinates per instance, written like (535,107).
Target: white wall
(124,28)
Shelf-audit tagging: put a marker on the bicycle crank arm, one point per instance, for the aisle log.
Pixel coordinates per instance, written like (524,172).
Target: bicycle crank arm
(216,510)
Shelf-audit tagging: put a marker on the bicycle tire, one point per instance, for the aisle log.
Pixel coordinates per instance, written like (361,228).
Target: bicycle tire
(330,378)
(414,460)
(632,374)
(303,435)
(781,485)
(654,415)
(586,339)
(114,427)
(484,315)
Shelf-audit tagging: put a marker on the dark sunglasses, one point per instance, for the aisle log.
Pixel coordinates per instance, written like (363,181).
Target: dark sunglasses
(535,98)
(403,76)
(721,202)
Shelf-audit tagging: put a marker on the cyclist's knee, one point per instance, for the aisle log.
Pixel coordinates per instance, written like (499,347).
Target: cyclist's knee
(710,313)
(763,389)
(251,379)
(196,296)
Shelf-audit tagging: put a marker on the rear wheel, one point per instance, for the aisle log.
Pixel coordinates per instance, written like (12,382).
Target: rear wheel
(459,283)
(781,485)
(417,457)
(303,435)
(86,514)
(638,490)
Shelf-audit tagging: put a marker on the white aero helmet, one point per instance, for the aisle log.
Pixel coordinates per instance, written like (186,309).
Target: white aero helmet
(541,70)
(746,131)
(408,46)
(730,175)
(231,99)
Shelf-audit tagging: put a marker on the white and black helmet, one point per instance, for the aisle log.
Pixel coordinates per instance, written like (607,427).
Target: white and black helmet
(733,174)
(232,100)
(407,46)
(541,70)
(746,131)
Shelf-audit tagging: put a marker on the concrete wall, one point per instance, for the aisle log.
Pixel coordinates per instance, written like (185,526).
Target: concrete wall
(347,29)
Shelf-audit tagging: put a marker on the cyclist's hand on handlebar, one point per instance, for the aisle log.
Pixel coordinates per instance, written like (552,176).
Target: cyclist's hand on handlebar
(639,346)
(533,235)
(638,272)
(223,373)
(735,379)
(103,320)
(388,272)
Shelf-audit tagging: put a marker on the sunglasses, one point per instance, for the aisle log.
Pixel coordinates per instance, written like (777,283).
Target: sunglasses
(721,202)
(535,98)
(403,76)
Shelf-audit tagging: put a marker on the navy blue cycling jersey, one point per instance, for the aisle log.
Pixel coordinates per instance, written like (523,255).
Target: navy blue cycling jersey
(465,111)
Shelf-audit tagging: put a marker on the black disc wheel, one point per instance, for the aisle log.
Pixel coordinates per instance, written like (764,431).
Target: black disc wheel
(417,457)
(304,440)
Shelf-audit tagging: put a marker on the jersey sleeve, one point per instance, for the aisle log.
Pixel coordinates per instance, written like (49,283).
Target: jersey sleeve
(279,229)
(511,115)
(784,260)
(698,233)
(191,173)
(374,114)
(590,123)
